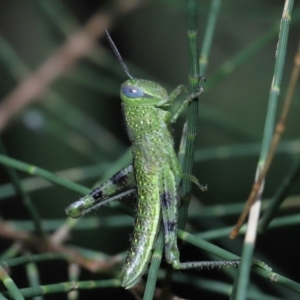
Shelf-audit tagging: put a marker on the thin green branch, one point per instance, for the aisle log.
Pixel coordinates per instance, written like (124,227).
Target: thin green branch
(154,267)
(284,189)
(74,274)
(24,196)
(10,285)
(65,287)
(250,237)
(34,170)
(192,119)
(258,267)
(33,277)
(208,35)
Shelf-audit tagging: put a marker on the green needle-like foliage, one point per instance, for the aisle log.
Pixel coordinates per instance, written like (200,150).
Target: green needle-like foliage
(249,245)
(63,127)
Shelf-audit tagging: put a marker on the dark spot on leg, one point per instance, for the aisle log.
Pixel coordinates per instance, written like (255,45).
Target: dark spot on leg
(119,179)
(165,199)
(97,193)
(171,226)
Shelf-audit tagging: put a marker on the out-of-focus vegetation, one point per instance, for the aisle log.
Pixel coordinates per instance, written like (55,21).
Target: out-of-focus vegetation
(72,123)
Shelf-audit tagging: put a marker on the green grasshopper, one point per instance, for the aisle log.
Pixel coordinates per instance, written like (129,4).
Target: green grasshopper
(154,171)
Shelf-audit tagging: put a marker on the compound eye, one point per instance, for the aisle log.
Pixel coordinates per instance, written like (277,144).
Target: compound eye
(132,92)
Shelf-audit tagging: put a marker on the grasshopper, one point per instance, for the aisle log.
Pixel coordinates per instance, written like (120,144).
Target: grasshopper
(154,172)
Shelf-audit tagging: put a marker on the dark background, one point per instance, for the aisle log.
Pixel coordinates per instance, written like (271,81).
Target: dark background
(152,39)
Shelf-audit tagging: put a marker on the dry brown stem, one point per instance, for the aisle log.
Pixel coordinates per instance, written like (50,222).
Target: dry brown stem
(279,130)
(77,45)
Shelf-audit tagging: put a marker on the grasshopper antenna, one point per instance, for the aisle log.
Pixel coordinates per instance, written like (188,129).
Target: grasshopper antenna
(118,55)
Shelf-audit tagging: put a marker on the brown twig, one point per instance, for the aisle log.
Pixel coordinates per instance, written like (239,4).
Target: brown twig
(9,232)
(45,244)
(77,45)
(279,130)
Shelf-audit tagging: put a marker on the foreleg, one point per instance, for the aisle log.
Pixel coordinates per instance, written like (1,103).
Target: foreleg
(184,104)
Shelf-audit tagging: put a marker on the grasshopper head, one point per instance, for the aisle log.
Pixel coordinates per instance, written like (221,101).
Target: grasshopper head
(140,92)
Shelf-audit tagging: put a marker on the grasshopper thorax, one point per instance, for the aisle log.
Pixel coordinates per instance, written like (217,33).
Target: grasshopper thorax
(141,92)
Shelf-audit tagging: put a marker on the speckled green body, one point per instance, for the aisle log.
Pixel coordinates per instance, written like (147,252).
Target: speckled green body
(152,153)
(154,172)
(153,156)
